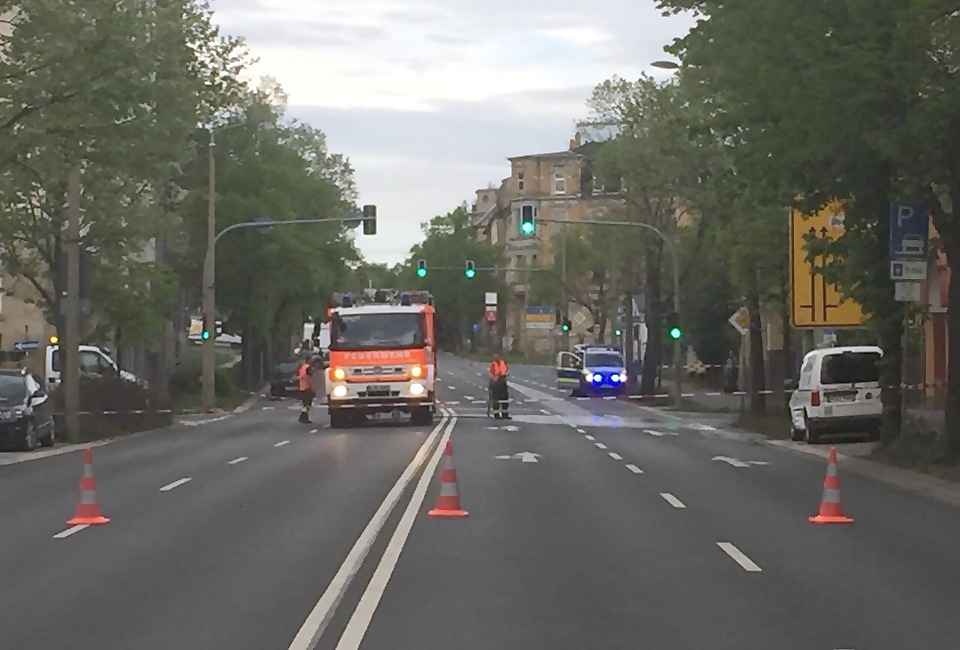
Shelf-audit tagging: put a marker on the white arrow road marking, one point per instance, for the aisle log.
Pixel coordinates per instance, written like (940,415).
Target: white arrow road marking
(731,461)
(525,456)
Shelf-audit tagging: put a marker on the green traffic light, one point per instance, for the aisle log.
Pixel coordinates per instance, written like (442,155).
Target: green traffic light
(676,333)
(617,332)
(205,334)
(422,273)
(527,227)
(470,273)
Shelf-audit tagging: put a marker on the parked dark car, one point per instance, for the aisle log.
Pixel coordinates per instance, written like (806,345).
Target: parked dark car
(26,412)
(284,379)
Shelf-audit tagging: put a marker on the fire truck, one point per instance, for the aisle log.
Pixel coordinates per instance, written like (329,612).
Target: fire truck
(382,356)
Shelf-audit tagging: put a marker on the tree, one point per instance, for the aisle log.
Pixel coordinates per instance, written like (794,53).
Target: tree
(268,284)
(843,100)
(449,241)
(116,100)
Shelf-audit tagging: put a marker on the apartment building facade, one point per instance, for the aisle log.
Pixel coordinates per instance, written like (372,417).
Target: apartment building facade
(555,185)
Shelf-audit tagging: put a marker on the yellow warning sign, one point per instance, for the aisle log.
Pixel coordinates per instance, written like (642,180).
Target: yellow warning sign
(815,302)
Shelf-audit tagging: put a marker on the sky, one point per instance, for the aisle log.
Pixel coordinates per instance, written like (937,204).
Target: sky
(428,98)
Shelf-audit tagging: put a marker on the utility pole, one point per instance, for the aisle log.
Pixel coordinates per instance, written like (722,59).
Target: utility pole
(565,305)
(70,348)
(209,351)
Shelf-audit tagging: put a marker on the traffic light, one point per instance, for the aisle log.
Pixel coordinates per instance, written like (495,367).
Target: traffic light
(527,225)
(369,220)
(205,333)
(471,269)
(618,332)
(421,268)
(566,325)
(674,331)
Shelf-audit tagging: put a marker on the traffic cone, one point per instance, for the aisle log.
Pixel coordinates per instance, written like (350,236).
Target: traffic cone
(448,502)
(88,512)
(831,509)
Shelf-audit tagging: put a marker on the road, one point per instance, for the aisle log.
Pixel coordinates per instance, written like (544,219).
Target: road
(633,529)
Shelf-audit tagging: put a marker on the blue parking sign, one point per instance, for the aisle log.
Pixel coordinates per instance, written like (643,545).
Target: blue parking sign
(909,230)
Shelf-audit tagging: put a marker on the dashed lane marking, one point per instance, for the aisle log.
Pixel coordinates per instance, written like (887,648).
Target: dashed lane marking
(600,445)
(237,461)
(672,500)
(174,485)
(634,469)
(282,443)
(615,456)
(589,437)
(739,557)
(70,531)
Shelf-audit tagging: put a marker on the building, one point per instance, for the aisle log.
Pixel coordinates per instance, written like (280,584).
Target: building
(557,185)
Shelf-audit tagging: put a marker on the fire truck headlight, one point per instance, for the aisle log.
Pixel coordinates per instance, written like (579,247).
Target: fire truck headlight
(339,374)
(339,391)
(416,389)
(416,372)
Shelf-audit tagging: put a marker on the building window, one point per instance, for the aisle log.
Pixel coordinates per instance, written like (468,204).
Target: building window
(520,186)
(559,181)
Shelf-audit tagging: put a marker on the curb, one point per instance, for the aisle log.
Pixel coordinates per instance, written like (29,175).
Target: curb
(946,492)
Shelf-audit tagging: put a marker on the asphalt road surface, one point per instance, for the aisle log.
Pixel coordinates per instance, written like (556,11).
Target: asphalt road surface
(593,524)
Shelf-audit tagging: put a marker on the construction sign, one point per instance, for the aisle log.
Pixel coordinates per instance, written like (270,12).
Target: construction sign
(814,301)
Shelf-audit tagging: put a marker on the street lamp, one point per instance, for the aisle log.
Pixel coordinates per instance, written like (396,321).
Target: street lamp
(209,347)
(264,225)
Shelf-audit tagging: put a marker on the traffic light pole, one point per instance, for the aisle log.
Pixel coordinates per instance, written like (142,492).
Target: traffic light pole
(676,391)
(208,394)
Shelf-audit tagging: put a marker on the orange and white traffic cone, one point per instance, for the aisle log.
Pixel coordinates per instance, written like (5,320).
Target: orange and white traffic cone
(88,512)
(831,509)
(448,502)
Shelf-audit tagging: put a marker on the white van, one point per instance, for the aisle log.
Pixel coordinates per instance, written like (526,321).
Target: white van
(93,361)
(838,392)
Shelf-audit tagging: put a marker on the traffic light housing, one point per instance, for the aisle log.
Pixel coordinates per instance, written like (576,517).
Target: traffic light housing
(369,220)
(421,268)
(674,331)
(566,325)
(527,224)
(470,270)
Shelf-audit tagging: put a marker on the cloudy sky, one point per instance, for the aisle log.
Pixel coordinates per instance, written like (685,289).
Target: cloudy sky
(429,98)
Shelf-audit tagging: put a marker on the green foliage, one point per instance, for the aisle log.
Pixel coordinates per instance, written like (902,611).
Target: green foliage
(117,99)
(449,241)
(846,99)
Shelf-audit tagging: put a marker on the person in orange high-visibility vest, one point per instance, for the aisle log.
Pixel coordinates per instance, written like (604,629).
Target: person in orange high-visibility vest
(305,377)
(499,393)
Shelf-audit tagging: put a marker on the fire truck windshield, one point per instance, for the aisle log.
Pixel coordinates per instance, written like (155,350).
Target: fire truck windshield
(378,332)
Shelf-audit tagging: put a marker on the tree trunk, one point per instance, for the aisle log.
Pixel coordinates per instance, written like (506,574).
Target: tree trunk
(652,359)
(952,410)
(758,379)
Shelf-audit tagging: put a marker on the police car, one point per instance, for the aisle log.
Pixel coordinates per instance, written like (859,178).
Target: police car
(592,370)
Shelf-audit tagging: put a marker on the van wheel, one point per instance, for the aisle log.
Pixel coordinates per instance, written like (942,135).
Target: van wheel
(796,435)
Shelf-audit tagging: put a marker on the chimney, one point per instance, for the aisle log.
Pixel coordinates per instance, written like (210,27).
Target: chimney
(575,142)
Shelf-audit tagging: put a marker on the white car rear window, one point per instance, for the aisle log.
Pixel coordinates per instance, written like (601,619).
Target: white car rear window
(850,368)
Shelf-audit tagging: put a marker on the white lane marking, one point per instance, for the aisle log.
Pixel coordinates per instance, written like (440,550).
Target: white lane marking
(738,556)
(634,469)
(600,445)
(174,485)
(70,531)
(360,620)
(573,426)
(702,427)
(615,456)
(545,411)
(672,500)
(652,432)
(316,622)
(581,431)
(282,443)
(268,408)
(589,437)
(237,460)
(314,430)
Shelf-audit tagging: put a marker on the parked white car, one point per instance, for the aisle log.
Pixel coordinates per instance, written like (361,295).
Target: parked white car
(93,361)
(838,392)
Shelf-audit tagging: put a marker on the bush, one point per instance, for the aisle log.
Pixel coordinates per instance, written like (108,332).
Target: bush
(185,379)
(108,405)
